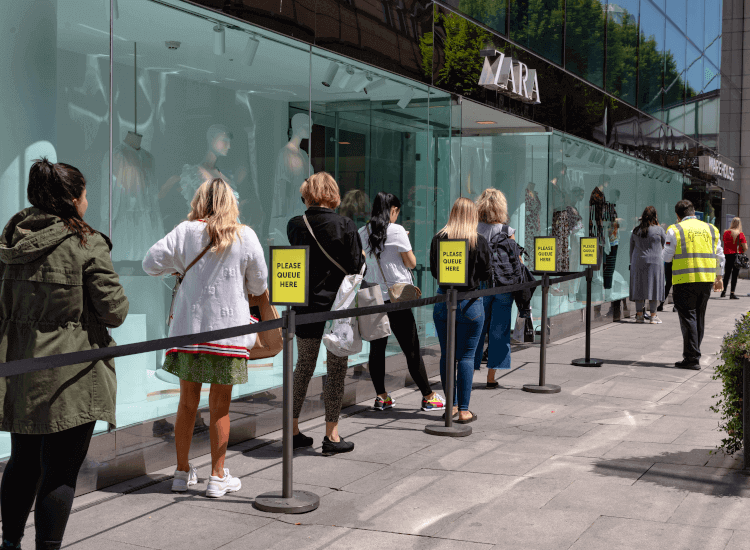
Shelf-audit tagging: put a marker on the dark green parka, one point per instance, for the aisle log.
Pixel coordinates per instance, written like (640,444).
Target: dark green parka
(56,296)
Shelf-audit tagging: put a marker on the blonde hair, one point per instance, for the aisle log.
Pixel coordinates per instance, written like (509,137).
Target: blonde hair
(321,190)
(492,206)
(214,202)
(462,222)
(735,228)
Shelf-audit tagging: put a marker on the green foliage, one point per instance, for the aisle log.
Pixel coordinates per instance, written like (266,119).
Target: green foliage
(463,64)
(426,49)
(734,350)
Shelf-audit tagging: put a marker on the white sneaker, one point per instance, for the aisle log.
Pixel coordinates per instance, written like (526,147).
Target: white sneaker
(218,487)
(183,480)
(655,320)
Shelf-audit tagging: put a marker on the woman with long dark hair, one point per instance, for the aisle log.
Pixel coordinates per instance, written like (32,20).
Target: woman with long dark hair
(462,224)
(59,293)
(646,265)
(390,260)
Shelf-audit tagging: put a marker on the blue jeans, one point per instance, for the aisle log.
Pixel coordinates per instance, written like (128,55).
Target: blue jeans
(469,322)
(497,310)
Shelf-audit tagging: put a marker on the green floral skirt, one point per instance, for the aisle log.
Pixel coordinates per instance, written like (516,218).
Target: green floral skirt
(206,369)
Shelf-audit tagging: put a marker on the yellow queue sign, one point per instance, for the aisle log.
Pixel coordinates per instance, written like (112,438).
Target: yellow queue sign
(589,251)
(290,270)
(453,260)
(545,258)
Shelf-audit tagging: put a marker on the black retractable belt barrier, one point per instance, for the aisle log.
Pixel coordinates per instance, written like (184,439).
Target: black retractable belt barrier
(288,501)
(449,430)
(542,387)
(588,361)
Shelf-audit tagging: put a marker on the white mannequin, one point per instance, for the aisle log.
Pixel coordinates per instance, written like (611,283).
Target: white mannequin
(292,169)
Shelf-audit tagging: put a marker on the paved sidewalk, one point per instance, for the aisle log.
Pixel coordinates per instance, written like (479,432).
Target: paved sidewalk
(621,458)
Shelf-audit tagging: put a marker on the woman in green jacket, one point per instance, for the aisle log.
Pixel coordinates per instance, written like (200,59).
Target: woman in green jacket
(58,293)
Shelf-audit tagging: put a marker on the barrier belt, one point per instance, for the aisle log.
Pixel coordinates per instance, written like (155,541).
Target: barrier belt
(22,366)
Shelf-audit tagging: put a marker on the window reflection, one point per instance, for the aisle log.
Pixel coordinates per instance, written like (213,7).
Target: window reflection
(584,39)
(622,44)
(651,59)
(537,24)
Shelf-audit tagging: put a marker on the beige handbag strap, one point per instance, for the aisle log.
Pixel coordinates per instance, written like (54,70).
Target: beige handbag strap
(197,258)
(304,217)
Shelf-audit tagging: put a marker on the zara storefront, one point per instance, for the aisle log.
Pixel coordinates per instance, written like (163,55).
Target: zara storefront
(149,98)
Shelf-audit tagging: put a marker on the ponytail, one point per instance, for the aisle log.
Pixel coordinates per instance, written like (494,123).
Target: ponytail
(380,219)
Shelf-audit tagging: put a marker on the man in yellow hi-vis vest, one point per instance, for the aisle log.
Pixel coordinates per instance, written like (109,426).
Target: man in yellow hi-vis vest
(694,248)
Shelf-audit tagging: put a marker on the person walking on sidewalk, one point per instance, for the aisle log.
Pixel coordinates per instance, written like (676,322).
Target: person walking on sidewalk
(390,260)
(647,265)
(462,224)
(222,262)
(492,208)
(59,293)
(697,257)
(734,243)
(334,248)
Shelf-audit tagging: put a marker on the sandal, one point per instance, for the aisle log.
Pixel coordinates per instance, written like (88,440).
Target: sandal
(472,419)
(454,414)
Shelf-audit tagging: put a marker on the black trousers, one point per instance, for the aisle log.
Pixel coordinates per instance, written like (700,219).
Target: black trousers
(404,328)
(691,300)
(731,269)
(609,266)
(667,279)
(42,467)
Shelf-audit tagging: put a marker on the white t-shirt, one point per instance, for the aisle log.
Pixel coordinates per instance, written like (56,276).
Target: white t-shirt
(396,242)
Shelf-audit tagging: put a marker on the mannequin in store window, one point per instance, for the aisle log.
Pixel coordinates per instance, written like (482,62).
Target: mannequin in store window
(292,169)
(565,216)
(533,223)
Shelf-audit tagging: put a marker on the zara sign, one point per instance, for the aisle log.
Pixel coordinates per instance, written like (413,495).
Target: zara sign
(507,76)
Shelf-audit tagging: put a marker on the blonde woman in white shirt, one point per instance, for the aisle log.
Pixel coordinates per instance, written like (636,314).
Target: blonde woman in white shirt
(387,243)
(213,295)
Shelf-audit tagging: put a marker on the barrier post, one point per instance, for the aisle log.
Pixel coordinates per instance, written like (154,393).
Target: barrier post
(542,387)
(588,361)
(288,501)
(448,429)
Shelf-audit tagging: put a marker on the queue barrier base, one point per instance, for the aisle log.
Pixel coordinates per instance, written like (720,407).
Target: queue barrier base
(300,502)
(536,388)
(587,362)
(456,430)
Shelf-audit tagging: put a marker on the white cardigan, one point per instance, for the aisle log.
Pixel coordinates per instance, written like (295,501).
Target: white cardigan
(213,294)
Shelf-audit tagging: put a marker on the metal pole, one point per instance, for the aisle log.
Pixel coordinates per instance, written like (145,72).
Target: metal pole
(588,361)
(448,429)
(288,501)
(543,387)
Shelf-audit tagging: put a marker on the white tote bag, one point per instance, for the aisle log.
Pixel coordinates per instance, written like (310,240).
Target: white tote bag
(376,325)
(341,336)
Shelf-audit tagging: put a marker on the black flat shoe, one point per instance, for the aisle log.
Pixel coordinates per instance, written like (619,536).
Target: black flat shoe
(468,420)
(733,296)
(300,440)
(691,364)
(724,294)
(660,307)
(336,447)
(492,385)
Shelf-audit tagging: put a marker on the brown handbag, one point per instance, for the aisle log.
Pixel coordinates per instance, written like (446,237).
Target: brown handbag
(269,342)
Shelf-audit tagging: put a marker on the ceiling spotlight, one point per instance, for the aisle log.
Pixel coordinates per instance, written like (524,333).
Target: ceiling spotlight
(345,76)
(361,80)
(375,85)
(172,44)
(251,49)
(404,101)
(220,40)
(582,151)
(331,71)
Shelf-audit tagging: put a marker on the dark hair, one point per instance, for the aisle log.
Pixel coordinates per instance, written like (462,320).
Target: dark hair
(648,218)
(52,188)
(684,208)
(380,220)
(558,168)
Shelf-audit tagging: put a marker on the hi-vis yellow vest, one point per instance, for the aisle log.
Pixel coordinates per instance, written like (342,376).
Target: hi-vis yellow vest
(695,256)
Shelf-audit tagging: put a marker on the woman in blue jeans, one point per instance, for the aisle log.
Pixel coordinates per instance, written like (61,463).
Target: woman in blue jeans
(492,208)
(462,224)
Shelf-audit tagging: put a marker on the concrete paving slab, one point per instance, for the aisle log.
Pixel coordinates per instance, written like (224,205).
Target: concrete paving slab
(696,479)
(615,533)
(740,541)
(623,472)
(725,512)
(700,438)
(667,453)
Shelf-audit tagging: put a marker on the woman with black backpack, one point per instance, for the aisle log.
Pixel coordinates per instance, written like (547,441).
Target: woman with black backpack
(493,218)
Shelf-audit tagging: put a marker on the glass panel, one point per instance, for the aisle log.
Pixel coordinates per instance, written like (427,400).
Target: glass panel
(674,67)
(677,13)
(695,22)
(622,43)
(492,13)
(584,39)
(651,59)
(538,25)
(214,104)
(712,31)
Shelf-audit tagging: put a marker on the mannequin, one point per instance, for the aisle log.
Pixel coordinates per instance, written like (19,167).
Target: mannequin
(533,220)
(292,169)
(612,234)
(564,216)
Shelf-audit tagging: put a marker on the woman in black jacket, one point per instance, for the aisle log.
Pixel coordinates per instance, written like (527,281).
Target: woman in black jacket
(338,236)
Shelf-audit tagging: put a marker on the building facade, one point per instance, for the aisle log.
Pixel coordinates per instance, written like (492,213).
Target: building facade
(582,112)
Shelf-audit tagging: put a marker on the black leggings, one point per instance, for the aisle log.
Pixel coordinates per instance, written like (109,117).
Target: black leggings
(667,279)
(731,269)
(44,467)
(404,328)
